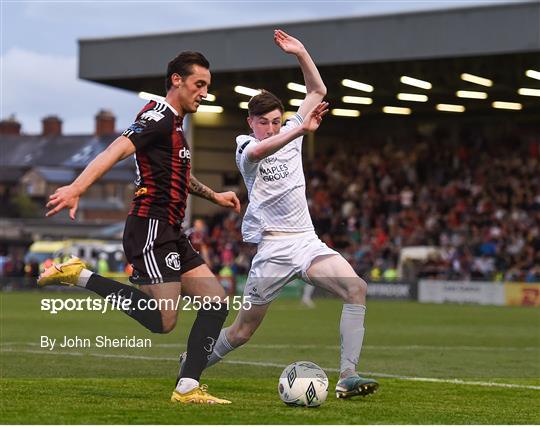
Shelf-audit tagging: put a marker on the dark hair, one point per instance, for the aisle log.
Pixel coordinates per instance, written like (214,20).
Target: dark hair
(183,65)
(263,103)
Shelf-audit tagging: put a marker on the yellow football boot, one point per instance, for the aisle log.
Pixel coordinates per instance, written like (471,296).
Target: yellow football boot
(66,274)
(199,395)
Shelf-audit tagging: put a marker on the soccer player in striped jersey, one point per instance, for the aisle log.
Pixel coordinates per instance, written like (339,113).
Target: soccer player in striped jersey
(164,262)
(277,219)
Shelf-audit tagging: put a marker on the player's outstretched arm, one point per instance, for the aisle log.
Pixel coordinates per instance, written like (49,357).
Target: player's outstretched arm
(315,88)
(226,199)
(67,197)
(274,143)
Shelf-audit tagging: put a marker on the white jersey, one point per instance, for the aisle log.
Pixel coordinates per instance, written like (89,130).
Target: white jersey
(276,187)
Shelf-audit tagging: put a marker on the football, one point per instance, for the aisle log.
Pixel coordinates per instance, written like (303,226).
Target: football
(303,384)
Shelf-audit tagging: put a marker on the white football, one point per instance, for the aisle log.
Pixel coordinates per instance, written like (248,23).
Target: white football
(303,384)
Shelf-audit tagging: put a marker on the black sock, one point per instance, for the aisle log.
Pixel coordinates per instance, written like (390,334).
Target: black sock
(203,336)
(150,319)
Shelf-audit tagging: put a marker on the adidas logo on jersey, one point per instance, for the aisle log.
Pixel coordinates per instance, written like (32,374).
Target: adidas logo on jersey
(152,115)
(184,153)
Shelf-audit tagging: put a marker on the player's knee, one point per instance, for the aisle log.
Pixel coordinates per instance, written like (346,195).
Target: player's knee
(215,291)
(168,323)
(220,293)
(356,291)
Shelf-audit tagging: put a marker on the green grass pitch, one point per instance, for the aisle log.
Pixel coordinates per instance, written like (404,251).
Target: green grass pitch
(437,364)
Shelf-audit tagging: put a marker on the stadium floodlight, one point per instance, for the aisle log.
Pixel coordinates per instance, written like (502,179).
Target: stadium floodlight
(243,90)
(396,110)
(209,109)
(412,97)
(476,79)
(210,97)
(452,108)
(471,94)
(411,81)
(533,74)
(296,87)
(357,100)
(507,105)
(295,102)
(353,84)
(243,105)
(345,112)
(150,96)
(528,91)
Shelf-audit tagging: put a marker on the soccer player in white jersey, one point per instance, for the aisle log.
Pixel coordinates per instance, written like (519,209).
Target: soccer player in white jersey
(278,221)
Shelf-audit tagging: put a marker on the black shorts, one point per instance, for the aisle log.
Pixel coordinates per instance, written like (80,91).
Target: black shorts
(158,251)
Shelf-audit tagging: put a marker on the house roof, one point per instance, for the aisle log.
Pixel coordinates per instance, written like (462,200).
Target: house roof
(59,159)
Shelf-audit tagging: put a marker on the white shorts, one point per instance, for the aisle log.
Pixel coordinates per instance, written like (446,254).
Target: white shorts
(279,260)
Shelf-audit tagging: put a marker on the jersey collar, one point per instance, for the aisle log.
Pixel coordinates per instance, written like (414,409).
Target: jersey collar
(171,107)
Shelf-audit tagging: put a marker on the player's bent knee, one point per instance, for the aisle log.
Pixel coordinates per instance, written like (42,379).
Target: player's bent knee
(356,291)
(221,294)
(214,292)
(168,324)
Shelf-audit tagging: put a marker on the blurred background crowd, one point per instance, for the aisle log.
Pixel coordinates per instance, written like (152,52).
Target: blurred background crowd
(478,202)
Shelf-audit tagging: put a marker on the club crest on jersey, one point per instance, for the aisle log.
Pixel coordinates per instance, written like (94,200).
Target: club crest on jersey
(152,115)
(173,261)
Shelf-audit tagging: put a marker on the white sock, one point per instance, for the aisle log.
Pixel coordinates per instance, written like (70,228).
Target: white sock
(308,292)
(351,330)
(83,277)
(186,384)
(221,348)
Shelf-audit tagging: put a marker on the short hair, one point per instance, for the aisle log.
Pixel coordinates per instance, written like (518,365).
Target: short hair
(263,103)
(182,65)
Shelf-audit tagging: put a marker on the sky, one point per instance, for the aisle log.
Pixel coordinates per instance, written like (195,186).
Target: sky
(39,45)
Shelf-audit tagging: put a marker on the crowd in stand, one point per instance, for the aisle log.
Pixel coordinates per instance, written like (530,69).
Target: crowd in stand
(476,200)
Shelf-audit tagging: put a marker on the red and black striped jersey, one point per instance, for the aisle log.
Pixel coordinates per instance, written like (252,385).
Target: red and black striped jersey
(163,162)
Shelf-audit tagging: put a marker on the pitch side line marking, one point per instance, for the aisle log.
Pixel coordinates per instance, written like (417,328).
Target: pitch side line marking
(381,347)
(277,365)
(401,377)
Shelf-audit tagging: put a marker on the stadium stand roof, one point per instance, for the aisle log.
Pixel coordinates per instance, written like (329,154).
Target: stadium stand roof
(496,41)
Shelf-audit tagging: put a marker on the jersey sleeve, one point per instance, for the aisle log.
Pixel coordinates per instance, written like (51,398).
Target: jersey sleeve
(244,144)
(291,123)
(294,121)
(145,131)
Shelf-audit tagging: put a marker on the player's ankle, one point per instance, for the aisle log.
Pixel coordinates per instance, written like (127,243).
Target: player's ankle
(185,385)
(347,373)
(84,275)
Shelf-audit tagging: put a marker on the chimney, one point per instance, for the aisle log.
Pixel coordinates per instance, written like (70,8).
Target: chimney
(52,126)
(10,126)
(105,122)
